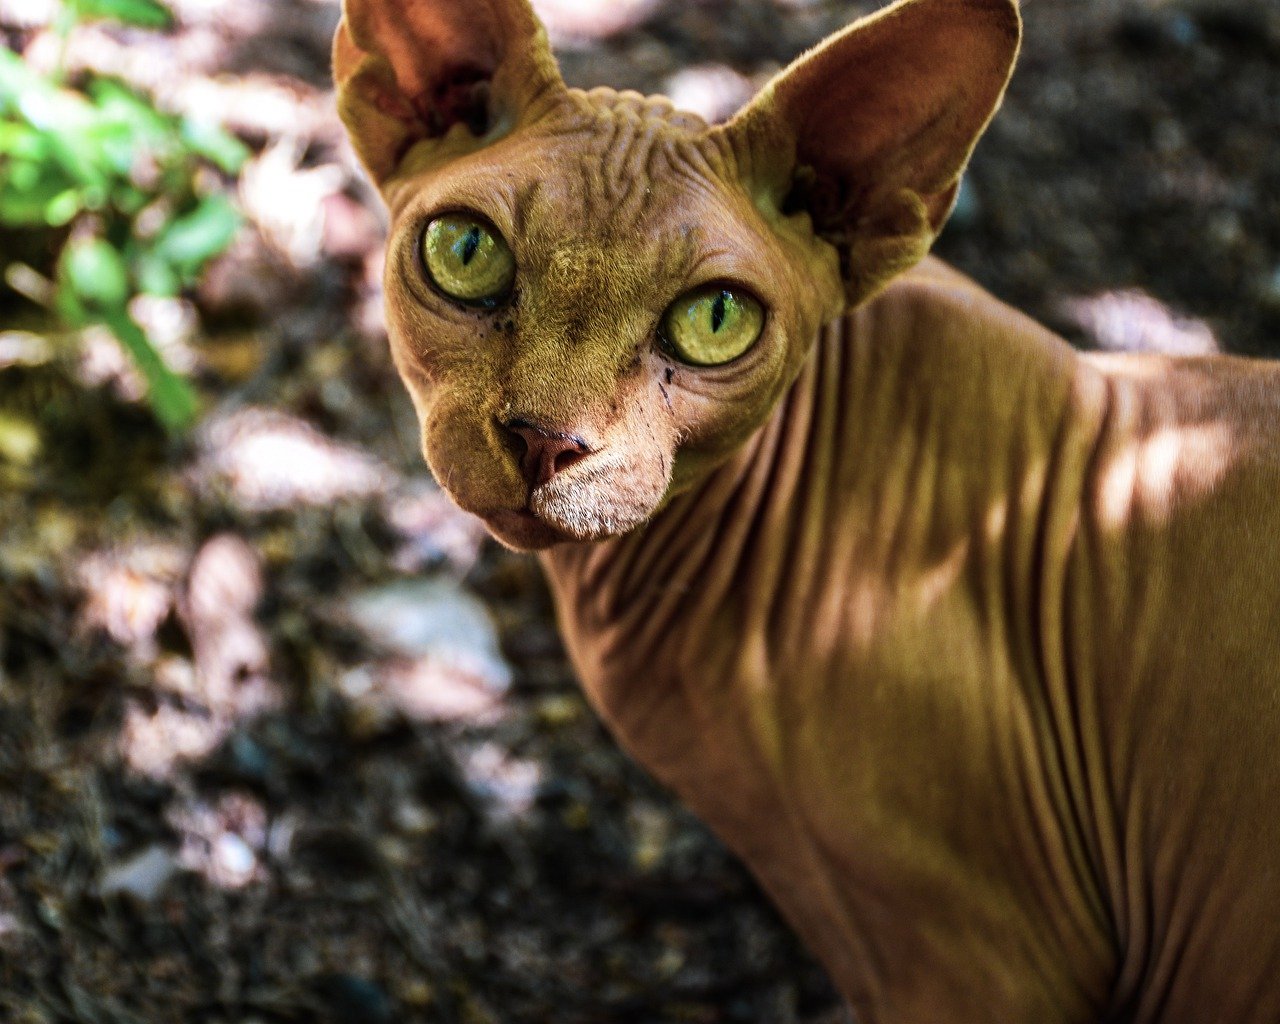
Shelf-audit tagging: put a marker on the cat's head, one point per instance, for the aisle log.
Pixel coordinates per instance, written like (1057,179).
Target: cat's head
(594,298)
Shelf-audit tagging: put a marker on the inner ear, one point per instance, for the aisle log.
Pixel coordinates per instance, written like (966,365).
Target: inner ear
(870,132)
(412,70)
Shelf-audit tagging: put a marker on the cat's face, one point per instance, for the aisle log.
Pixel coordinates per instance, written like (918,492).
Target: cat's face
(593,299)
(617,214)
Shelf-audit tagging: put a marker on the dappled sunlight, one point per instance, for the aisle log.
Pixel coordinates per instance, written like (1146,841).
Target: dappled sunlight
(868,607)
(936,580)
(198,701)
(287,202)
(996,520)
(171,325)
(876,599)
(254,105)
(130,590)
(224,587)
(225,841)
(1133,321)
(153,742)
(267,460)
(433,529)
(507,784)
(425,689)
(29,13)
(285,736)
(20,443)
(1147,477)
(23,348)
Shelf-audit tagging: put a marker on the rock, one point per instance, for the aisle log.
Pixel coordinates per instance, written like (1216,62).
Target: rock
(1132,321)
(143,876)
(434,618)
(233,858)
(712,91)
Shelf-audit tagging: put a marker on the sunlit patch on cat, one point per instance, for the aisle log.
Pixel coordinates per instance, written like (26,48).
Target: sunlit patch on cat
(938,579)
(1147,476)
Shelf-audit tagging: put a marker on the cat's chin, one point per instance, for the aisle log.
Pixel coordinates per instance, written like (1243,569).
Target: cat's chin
(576,509)
(522,530)
(526,530)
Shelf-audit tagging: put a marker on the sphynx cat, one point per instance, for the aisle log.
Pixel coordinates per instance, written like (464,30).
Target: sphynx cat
(967,643)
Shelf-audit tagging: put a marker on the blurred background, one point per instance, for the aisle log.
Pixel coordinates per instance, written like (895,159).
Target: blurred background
(282,736)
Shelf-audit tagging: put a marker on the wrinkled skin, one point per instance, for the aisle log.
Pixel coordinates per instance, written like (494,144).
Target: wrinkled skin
(965,642)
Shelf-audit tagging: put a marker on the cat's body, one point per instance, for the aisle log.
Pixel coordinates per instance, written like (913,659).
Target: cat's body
(965,642)
(952,655)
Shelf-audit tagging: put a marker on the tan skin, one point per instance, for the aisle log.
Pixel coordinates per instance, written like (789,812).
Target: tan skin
(965,642)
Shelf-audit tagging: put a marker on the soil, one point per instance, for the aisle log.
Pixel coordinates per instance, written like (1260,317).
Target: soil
(282,736)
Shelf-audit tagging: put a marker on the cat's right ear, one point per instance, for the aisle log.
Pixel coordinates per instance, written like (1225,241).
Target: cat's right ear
(409,71)
(870,132)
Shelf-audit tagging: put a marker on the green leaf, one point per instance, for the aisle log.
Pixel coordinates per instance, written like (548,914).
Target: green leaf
(63,208)
(130,111)
(219,147)
(172,398)
(17,79)
(194,239)
(155,276)
(20,140)
(143,13)
(96,273)
(31,191)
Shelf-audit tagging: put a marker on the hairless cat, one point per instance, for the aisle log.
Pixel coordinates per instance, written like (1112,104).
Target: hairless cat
(966,642)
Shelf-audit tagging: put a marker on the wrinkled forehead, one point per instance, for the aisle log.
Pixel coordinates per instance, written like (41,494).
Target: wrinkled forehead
(607,183)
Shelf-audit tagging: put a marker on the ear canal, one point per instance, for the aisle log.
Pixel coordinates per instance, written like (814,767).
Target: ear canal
(870,132)
(409,70)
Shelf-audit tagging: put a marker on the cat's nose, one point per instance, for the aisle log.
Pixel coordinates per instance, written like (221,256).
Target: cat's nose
(545,452)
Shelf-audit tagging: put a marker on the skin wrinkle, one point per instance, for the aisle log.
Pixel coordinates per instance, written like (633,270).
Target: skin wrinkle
(802,420)
(1044,630)
(1063,480)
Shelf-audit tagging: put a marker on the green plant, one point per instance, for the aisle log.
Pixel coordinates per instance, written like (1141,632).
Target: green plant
(121,182)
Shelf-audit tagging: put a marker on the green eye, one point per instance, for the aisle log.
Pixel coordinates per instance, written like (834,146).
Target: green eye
(712,325)
(468,260)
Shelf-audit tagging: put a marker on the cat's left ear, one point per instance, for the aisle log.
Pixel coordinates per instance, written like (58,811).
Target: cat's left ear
(870,132)
(413,70)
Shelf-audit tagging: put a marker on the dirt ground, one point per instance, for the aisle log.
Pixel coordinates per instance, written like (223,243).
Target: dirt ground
(282,736)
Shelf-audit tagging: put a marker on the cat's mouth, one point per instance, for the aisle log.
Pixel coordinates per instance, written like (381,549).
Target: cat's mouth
(605,494)
(564,512)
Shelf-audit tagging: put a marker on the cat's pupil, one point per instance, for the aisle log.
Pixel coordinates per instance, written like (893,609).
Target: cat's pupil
(470,244)
(718,311)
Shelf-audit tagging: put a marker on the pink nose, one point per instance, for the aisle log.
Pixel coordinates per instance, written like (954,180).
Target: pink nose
(546,452)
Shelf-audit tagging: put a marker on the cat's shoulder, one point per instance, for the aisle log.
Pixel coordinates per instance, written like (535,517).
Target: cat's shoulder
(933,300)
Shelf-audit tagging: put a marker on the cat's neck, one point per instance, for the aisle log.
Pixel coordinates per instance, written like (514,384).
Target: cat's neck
(913,411)
(934,371)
